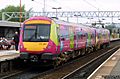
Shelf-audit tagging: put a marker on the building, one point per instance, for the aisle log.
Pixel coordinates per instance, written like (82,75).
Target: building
(7,29)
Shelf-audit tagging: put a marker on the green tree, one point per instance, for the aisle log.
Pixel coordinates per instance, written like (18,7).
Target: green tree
(12,8)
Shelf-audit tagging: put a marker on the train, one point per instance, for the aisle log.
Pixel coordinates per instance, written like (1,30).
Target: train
(45,39)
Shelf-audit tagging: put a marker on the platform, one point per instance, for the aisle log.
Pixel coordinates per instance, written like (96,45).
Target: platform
(8,54)
(110,69)
(113,39)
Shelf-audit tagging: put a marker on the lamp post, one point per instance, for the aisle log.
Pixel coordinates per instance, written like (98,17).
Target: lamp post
(44,8)
(77,16)
(20,13)
(90,18)
(98,14)
(56,10)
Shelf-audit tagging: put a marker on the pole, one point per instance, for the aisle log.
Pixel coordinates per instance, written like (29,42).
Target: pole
(56,13)
(56,10)
(67,19)
(77,19)
(20,13)
(112,19)
(98,14)
(44,9)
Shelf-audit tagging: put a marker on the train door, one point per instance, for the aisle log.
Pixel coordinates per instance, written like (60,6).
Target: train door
(64,38)
(71,33)
(93,38)
(83,37)
(79,38)
(76,38)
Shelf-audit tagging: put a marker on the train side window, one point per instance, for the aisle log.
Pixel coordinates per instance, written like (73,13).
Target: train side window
(82,36)
(62,39)
(79,36)
(92,35)
(64,32)
(98,36)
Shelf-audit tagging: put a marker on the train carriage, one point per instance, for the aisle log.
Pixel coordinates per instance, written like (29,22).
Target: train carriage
(43,38)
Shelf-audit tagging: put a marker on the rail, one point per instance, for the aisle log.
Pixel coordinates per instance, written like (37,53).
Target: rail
(90,66)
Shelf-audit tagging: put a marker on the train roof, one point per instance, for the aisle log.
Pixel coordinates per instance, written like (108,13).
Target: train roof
(67,23)
(61,22)
(56,20)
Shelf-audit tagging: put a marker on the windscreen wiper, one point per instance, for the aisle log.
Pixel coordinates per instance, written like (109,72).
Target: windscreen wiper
(31,37)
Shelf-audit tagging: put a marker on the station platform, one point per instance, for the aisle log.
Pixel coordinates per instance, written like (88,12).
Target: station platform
(8,55)
(113,39)
(110,69)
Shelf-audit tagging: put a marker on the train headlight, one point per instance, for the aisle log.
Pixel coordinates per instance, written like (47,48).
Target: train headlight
(49,47)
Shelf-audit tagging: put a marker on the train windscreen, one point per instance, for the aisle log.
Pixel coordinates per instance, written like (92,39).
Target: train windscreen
(36,33)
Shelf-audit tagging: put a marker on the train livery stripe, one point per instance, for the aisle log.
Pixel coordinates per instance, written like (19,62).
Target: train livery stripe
(37,22)
(53,33)
(35,46)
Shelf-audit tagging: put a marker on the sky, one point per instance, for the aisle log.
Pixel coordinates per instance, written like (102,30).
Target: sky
(66,5)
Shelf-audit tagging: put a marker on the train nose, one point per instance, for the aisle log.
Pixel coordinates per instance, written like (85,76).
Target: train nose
(35,46)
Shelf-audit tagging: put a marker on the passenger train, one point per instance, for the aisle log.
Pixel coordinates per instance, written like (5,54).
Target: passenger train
(44,39)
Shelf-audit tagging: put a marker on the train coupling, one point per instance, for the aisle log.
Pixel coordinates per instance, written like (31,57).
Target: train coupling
(34,58)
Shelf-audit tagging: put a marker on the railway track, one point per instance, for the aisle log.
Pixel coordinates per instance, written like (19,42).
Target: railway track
(84,71)
(64,70)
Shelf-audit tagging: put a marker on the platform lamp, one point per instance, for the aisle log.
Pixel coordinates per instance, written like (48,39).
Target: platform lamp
(56,10)
(77,16)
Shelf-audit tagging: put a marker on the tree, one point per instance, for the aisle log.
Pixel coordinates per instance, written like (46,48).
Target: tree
(12,8)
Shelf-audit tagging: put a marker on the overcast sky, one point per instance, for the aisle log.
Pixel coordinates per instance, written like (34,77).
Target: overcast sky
(66,5)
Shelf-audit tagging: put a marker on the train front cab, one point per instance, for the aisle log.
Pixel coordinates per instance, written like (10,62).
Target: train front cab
(38,40)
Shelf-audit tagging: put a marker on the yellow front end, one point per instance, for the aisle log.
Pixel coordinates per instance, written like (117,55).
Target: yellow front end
(35,46)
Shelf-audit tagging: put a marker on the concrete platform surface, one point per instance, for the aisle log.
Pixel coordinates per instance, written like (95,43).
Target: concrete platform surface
(110,69)
(8,54)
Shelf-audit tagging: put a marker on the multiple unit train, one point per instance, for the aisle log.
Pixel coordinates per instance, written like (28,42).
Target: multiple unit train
(47,39)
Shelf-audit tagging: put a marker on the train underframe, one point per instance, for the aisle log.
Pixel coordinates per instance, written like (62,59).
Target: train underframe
(57,59)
